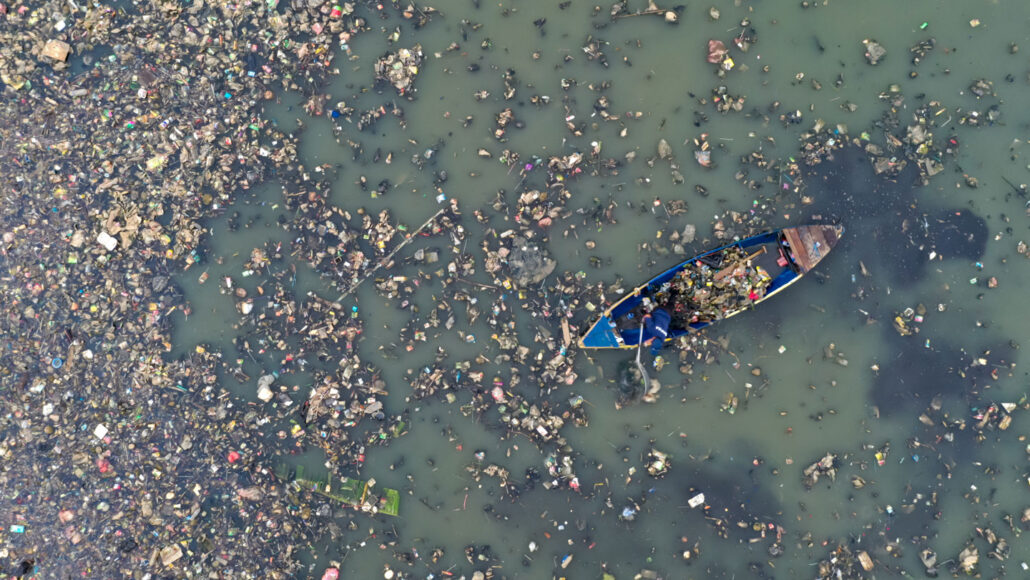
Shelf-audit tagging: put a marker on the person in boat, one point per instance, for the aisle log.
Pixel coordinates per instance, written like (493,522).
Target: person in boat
(786,254)
(656,329)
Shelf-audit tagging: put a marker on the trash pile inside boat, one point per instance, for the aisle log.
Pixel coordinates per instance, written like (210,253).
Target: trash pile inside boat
(712,287)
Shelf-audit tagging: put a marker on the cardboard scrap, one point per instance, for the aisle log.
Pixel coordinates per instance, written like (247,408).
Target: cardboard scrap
(169,554)
(57,50)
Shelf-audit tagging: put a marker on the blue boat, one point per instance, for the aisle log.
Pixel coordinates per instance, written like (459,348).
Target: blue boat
(783,256)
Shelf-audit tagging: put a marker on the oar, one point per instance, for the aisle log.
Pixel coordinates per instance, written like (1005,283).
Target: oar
(640,366)
(729,269)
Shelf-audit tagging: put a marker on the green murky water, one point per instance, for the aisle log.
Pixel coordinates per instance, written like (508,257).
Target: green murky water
(802,405)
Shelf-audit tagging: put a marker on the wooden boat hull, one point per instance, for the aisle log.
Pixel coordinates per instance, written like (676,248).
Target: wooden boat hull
(804,246)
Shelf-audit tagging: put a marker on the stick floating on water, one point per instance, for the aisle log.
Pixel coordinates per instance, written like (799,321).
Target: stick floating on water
(386,260)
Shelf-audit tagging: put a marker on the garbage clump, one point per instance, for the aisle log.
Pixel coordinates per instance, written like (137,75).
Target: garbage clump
(528,263)
(929,560)
(141,122)
(703,151)
(265,388)
(874,52)
(717,51)
(658,463)
(827,466)
(969,560)
(843,563)
(399,69)
(664,149)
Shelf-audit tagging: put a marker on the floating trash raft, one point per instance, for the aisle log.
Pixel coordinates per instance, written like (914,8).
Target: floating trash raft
(356,493)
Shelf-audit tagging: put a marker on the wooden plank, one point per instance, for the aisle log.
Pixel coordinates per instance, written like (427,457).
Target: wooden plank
(815,244)
(808,245)
(797,249)
(732,267)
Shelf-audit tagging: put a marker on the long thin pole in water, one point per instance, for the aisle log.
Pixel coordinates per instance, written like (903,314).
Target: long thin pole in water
(640,366)
(386,260)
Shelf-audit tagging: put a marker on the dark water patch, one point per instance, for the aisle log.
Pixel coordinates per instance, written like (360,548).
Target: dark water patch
(909,240)
(906,241)
(915,375)
(629,385)
(916,514)
(847,188)
(981,401)
(958,234)
(766,323)
(879,212)
(885,214)
(86,60)
(734,491)
(900,255)
(710,570)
